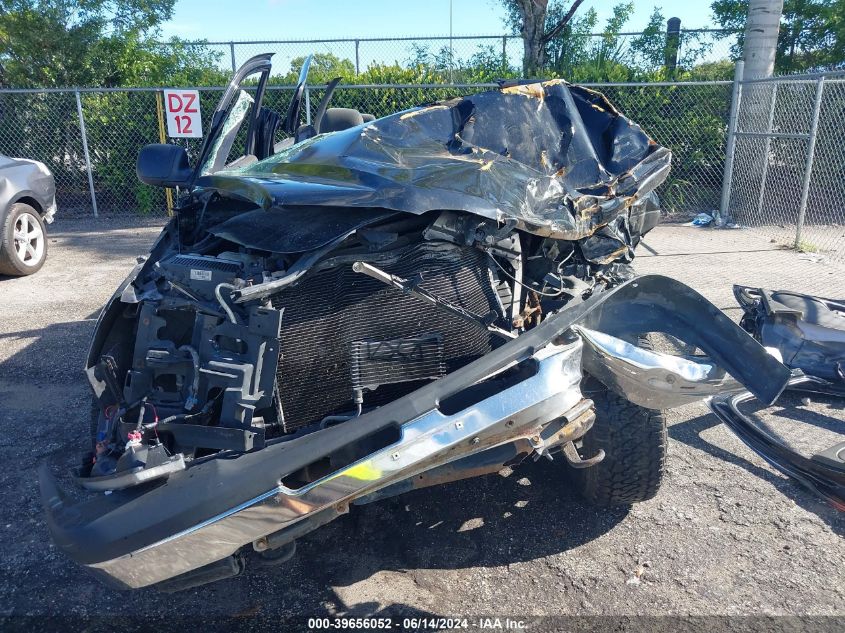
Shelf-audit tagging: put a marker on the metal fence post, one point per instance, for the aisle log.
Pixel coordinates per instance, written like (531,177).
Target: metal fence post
(85,151)
(730,145)
(808,166)
(357,66)
(232,55)
(504,53)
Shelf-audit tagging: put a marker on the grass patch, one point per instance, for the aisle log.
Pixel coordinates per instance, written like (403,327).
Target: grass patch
(807,247)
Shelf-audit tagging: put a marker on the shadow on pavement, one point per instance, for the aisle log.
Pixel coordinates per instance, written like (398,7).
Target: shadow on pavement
(112,244)
(55,353)
(690,433)
(482,522)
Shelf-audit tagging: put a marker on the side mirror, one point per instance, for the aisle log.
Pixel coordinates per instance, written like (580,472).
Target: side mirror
(163,165)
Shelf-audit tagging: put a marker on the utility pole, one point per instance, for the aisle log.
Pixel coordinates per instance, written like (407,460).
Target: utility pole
(755,101)
(761,37)
(762,26)
(673,43)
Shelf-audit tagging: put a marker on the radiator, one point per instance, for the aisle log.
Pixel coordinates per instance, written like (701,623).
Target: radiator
(343,331)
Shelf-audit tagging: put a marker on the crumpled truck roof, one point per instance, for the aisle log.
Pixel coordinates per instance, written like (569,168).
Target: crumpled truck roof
(557,159)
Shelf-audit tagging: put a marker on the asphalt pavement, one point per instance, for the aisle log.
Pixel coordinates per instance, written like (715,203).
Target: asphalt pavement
(726,535)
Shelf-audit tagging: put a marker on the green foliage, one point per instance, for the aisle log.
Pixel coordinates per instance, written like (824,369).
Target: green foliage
(55,43)
(811,37)
(98,43)
(578,54)
(710,71)
(601,58)
(146,200)
(649,48)
(324,67)
(571,48)
(486,64)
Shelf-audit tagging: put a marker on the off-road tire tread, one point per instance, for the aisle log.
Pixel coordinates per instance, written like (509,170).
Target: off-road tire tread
(634,440)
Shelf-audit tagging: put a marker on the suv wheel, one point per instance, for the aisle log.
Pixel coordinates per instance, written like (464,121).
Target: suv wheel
(634,442)
(23,241)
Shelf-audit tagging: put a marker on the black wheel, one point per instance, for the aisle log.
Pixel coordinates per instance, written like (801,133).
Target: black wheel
(634,442)
(23,241)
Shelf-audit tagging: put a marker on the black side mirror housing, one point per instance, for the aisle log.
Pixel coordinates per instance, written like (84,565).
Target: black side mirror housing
(163,165)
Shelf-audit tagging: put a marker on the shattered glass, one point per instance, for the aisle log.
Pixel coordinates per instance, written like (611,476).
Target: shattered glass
(223,144)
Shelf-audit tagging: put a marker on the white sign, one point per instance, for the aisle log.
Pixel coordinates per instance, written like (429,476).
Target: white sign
(183,113)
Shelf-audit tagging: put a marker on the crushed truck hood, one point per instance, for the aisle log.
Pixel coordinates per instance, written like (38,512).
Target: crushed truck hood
(554,159)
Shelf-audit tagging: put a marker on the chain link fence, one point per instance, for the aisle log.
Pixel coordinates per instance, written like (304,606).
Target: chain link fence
(455,54)
(689,117)
(786,171)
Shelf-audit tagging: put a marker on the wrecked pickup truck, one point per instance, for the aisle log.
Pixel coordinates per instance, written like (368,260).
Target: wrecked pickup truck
(374,306)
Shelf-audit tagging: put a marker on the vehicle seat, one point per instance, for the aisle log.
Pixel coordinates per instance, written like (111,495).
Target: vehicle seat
(266,125)
(336,119)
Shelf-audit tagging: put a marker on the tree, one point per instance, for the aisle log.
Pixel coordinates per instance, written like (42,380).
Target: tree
(324,67)
(649,47)
(812,32)
(103,43)
(572,47)
(54,43)
(579,53)
(538,24)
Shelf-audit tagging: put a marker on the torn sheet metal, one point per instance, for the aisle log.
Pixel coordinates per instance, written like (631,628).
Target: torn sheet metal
(560,160)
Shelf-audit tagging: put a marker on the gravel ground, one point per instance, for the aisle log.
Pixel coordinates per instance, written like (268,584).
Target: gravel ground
(726,535)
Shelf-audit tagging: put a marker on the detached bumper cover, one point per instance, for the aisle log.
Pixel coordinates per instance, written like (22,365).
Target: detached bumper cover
(135,538)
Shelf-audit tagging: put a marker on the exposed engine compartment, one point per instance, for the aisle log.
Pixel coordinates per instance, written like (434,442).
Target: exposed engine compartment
(208,368)
(349,339)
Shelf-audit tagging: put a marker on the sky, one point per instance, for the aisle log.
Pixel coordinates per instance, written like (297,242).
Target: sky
(315,19)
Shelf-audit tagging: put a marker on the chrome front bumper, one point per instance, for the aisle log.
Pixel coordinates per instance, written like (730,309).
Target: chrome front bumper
(519,412)
(216,506)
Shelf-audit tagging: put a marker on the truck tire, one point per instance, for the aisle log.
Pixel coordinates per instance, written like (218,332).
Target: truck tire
(634,442)
(23,241)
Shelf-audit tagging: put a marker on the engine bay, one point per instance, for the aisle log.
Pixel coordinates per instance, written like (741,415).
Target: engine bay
(233,347)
